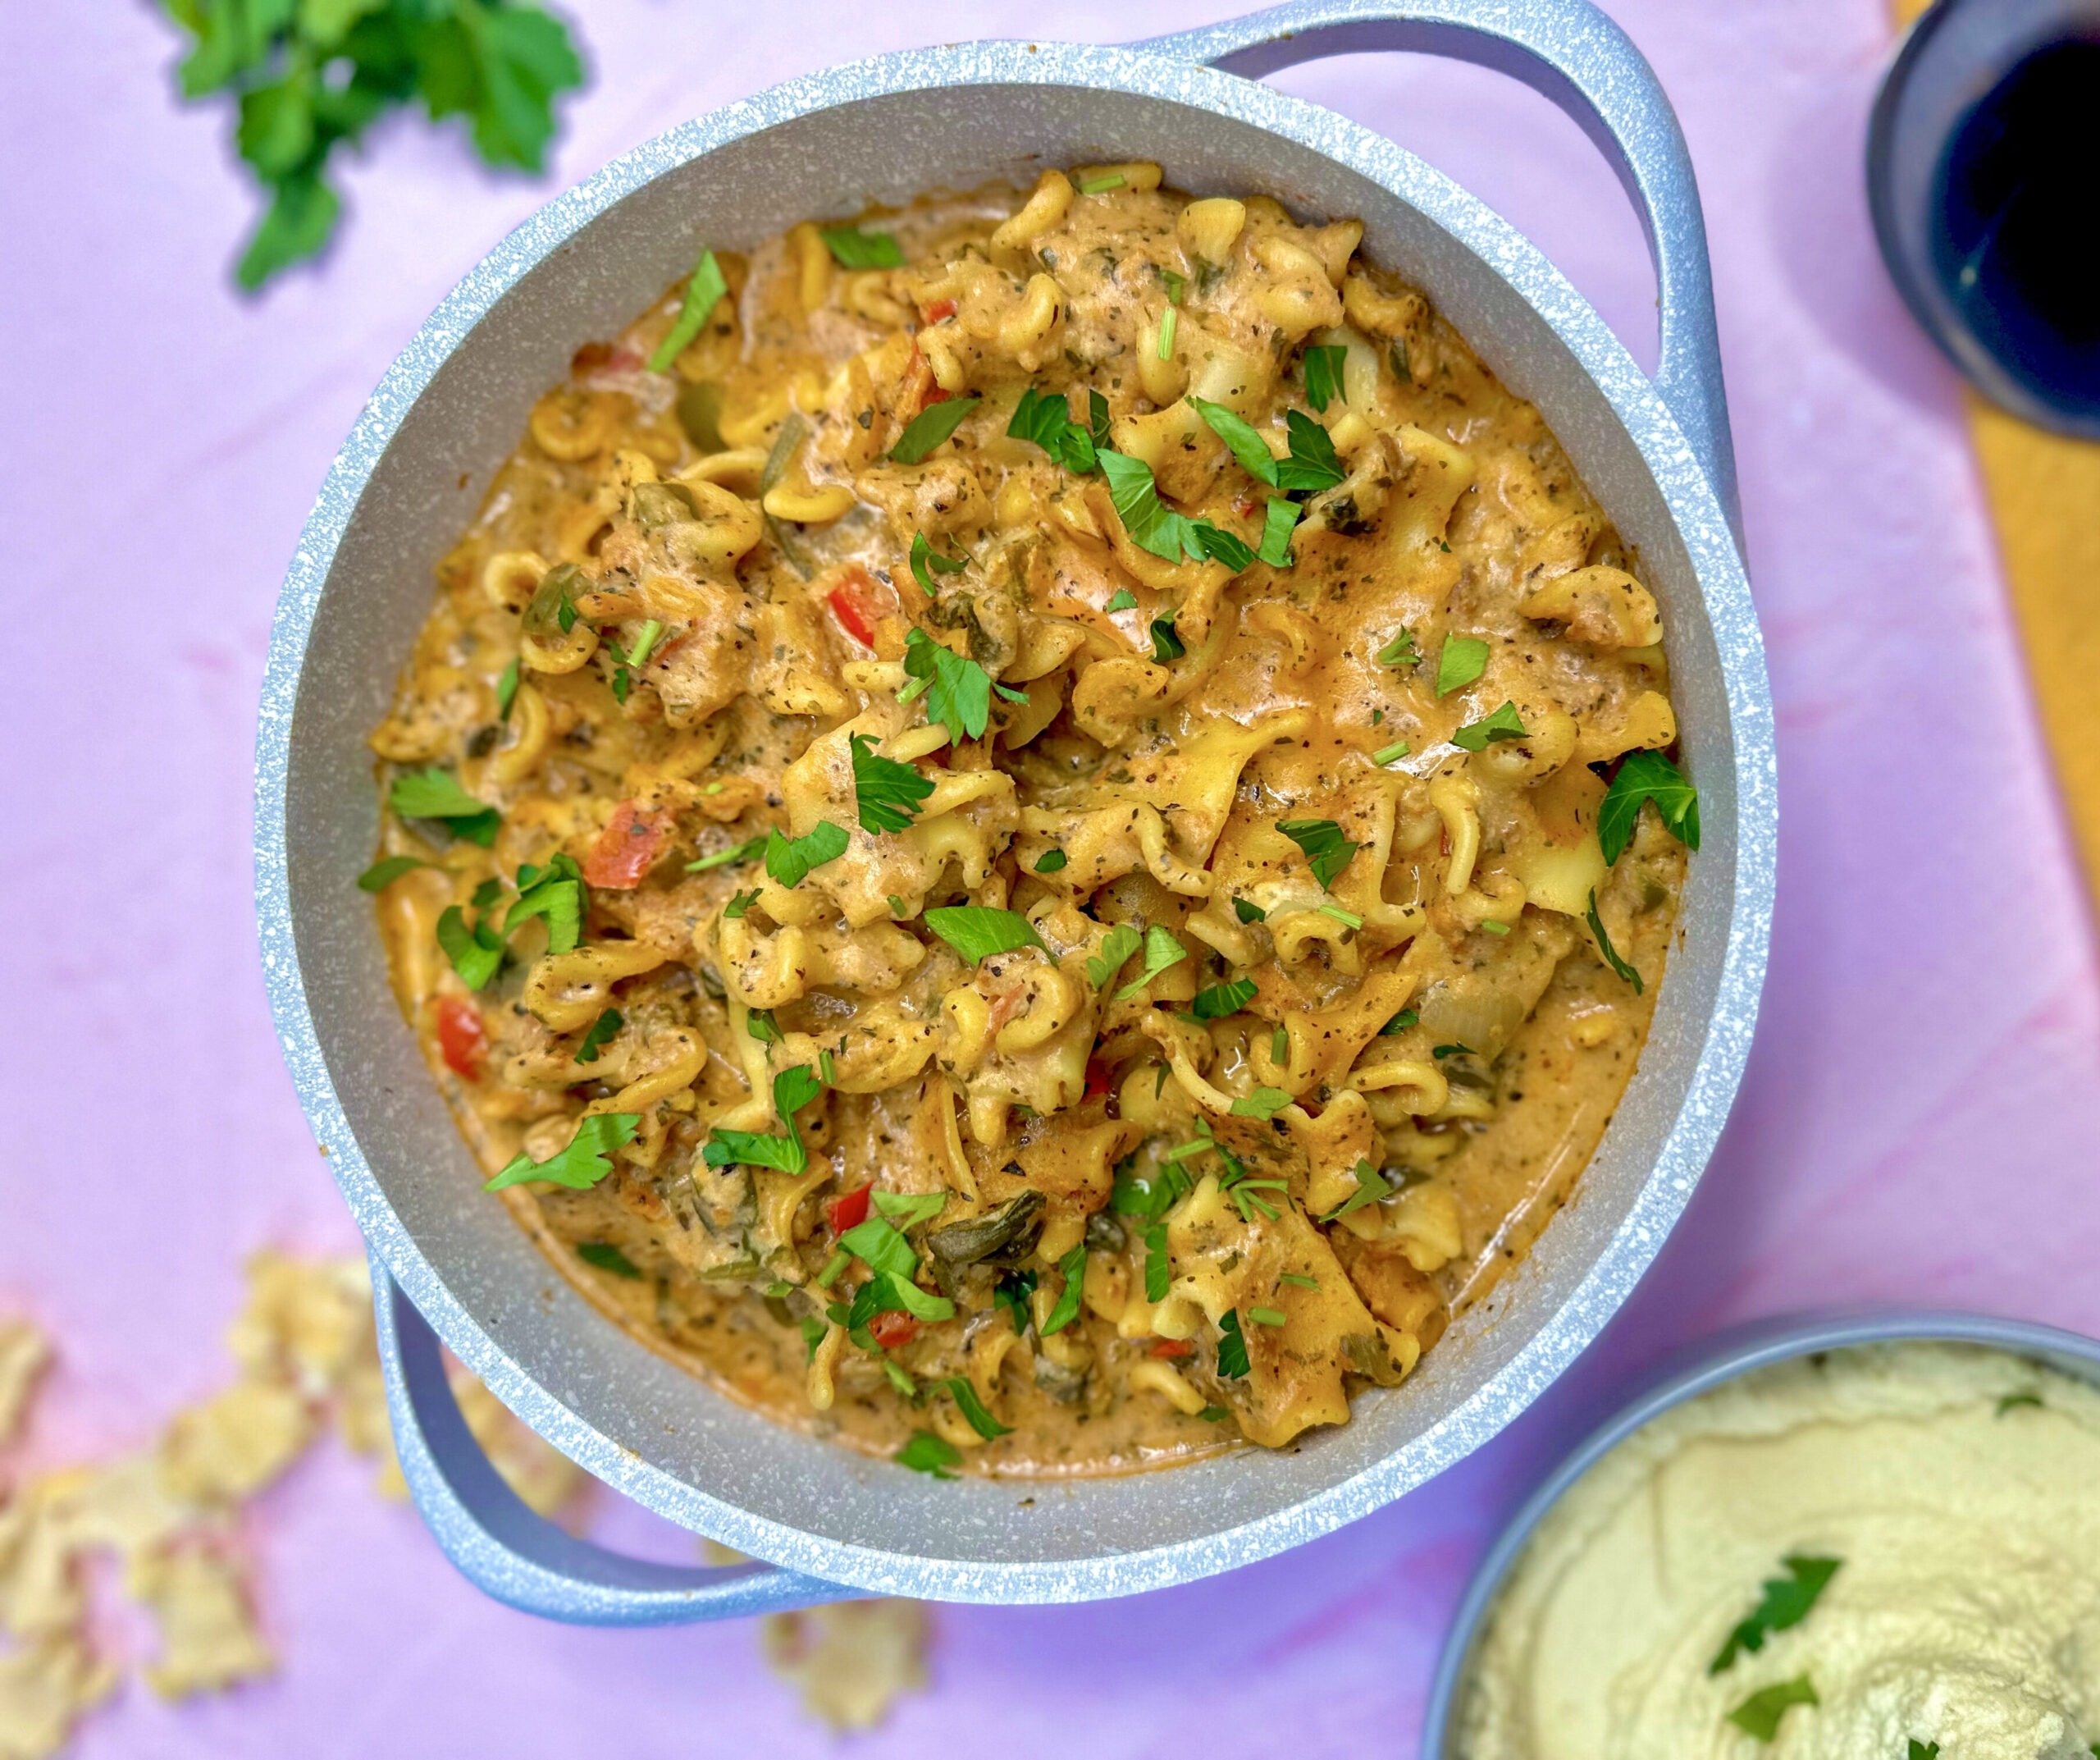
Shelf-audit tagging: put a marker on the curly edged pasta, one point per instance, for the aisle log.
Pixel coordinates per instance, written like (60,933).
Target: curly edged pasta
(1024,829)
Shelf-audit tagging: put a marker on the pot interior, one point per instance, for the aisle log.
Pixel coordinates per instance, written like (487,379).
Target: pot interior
(636,1419)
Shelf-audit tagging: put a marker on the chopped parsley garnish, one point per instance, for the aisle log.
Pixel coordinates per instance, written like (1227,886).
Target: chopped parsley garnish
(1326,848)
(554,893)
(931,1454)
(506,689)
(1152,526)
(587,1160)
(1073,1266)
(1248,912)
(933,424)
(1165,645)
(748,851)
(435,793)
(1399,651)
(1371,1187)
(1391,754)
(1323,375)
(1134,1195)
(907,1208)
(852,249)
(1011,1292)
(1452,1050)
(1117,946)
(1046,418)
(890,1289)
(1647,776)
(1278,520)
(705,289)
(972,1408)
(1051,862)
(602,1030)
(2013,1401)
(1263,1104)
(886,793)
(978,931)
(475,953)
(1310,466)
(1159,1269)
(1123,600)
(739,903)
(1758,1716)
(1477,736)
(1929,1750)
(387,869)
(789,859)
(607,1257)
(761,1025)
(1610,953)
(958,691)
(1161,950)
(1267,1316)
(925,558)
(1222,999)
(793,1089)
(1785,1602)
(1231,1346)
(1463,658)
(1401,1023)
(812,1332)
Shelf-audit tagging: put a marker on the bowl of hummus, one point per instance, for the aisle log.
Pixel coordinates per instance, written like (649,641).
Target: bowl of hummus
(1874,1537)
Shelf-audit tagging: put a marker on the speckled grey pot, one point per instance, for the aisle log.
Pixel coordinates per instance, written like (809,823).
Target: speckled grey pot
(410,477)
(1704,1367)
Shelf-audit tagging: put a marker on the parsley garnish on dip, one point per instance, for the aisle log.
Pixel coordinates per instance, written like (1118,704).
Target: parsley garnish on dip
(1850,1555)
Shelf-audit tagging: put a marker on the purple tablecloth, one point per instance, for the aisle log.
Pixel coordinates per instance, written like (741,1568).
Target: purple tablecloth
(1922,1110)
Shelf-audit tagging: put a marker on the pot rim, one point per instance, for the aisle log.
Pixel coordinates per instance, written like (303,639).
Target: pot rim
(1684,1376)
(1700,523)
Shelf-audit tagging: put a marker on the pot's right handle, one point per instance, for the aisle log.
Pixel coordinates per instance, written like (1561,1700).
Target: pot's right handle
(1571,53)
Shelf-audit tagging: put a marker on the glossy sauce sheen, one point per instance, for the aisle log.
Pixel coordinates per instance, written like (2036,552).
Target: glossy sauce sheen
(1158,745)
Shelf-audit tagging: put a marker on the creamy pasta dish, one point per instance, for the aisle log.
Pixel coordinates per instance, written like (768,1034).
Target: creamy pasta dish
(1036,832)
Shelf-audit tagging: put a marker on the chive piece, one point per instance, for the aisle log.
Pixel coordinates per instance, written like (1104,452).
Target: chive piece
(1167,324)
(1267,1316)
(1347,919)
(852,249)
(1492,927)
(836,1263)
(1177,285)
(506,689)
(644,643)
(1299,1278)
(387,869)
(1279,1048)
(1100,185)
(602,1030)
(1390,754)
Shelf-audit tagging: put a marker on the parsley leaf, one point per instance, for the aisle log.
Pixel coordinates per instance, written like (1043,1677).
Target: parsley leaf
(930,1454)
(1323,375)
(1462,659)
(706,289)
(958,691)
(1278,520)
(1046,418)
(1248,912)
(1222,999)
(789,859)
(1647,776)
(907,1208)
(747,852)
(1117,946)
(435,793)
(387,869)
(1161,950)
(312,77)
(762,1026)
(1147,519)
(852,249)
(739,903)
(1241,437)
(1758,1716)
(1325,847)
(1785,1602)
(1231,1346)
(1401,1023)
(927,429)
(793,1089)
(1133,1194)
(475,953)
(972,1408)
(1073,1265)
(1611,954)
(978,931)
(1165,645)
(1051,862)
(587,1160)
(1920,1750)
(1263,1104)
(1371,1187)
(925,558)
(506,689)
(607,1257)
(886,793)
(1399,651)
(1476,736)
(602,1030)
(1313,464)
(1011,1292)
(1159,1267)
(555,892)
(1123,601)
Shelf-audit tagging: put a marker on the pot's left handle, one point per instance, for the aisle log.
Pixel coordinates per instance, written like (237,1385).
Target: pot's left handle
(521,1558)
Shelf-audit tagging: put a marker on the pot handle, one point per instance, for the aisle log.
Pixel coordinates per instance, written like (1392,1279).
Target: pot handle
(1571,53)
(521,1558)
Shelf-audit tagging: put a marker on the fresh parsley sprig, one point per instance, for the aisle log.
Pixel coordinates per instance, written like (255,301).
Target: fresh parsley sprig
(1785,1602)
(790,859)
(1647,776)
(887,793)
(958,691)
(852,249)
(934,424)
(587,1160)
(706,289)
(793,1089)
(978,931)
(312,77)
(926,562)
(1758,1716)
(435,793)
(1045,417)
(1327,850)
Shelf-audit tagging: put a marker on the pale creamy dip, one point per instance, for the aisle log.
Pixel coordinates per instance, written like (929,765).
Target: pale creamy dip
(1965,1611)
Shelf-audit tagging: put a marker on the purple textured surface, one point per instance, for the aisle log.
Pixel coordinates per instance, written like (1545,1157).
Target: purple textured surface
(1917,1126)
